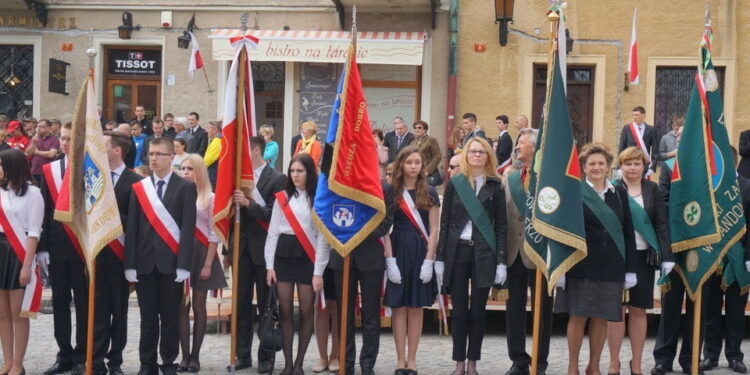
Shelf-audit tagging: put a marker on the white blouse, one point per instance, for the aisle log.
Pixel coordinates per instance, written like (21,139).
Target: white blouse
(279,225)
(466,233)
(28,210)
(640,242)
(203,219)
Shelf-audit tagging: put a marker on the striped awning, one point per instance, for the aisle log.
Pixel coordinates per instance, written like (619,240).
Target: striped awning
(373,47)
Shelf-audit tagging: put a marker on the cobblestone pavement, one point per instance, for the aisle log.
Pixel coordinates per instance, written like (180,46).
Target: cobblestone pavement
(433,358)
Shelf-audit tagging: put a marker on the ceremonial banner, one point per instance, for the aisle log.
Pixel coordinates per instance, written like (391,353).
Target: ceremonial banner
(556,238)
(196,61)
(349,201)
(705,205)
(86,200)
(227,158)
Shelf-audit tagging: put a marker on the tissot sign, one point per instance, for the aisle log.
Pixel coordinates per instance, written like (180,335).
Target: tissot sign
(135,62)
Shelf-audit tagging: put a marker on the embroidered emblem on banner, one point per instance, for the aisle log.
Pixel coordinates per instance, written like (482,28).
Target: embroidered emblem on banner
(343,215)
(93,182)
(691,213)
(548,200)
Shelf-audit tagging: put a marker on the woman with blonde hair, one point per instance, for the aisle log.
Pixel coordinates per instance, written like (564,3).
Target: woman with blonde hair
(455,142)
(271,152)
(205,271)
(309,142)
(471,248)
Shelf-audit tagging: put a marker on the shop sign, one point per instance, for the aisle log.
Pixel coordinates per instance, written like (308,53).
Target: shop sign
(135,62)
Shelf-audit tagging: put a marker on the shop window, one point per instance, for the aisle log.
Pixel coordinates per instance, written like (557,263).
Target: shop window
(674,84)
(275,109)
(16,80)
(391,91)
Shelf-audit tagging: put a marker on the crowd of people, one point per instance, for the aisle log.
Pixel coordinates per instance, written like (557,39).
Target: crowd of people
(461,245)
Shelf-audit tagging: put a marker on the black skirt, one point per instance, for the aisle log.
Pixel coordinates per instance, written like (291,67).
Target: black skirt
(296,266)
(329,285)
(10,266)
(642,294)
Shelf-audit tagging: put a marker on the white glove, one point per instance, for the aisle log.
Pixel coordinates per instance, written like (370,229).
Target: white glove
(394,274)
(501,273)
(630,280)
(426,272)
(747,265)
(182,275)
(131,275)
(560,283)
(439,271)
(42,259)
(666,267)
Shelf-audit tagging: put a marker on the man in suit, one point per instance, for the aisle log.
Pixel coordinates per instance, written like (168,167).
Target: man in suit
(638,128)
(157,126)
(744,167)
(129,158)
(367,264)
(519,277)
(732,325)
(169,130)
(397,139)
(158,260)
(504,149)
(255,213)
(198,142)
(140,116)
(112,291)
(469,123)
(66,271)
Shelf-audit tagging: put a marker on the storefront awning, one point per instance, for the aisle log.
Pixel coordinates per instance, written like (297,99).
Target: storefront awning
(385,47)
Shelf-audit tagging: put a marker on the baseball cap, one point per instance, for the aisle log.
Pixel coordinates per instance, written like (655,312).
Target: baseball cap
(13,125)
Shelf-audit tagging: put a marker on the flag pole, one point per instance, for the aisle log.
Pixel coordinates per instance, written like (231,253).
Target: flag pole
(91,52)
(694,367)
(206,75)
(535,329)
(345,279)
(237,186)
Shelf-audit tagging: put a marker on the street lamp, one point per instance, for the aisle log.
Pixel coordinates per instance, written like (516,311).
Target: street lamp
(503,15)
(125,30)
(183,41)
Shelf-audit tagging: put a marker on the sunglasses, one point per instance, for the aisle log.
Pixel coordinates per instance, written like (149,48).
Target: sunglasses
(452,167)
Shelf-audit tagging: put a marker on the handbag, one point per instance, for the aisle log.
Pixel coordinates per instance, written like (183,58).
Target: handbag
(269,327)
(434,178)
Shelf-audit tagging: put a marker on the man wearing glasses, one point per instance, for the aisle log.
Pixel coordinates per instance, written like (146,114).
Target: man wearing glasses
(158,248)
(454,167)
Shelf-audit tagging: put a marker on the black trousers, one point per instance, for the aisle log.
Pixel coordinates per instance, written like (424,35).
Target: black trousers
(468,321)
(159,298)
(250,275)
(670,325)
(111,314)
(731,325)
(369,286)
(66,277)
(520,279)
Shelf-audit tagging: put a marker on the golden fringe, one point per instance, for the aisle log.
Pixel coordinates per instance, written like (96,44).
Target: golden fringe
(744,289)
(28,315)
(224,213)
(626,296)
(499,294)
(101,244)
(664,288)
(573,240)
(696,242)
(724,285)
(356,240)
(385,321)
(358,321)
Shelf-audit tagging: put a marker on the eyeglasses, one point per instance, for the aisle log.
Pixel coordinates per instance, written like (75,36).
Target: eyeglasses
(478,152)
(388,173)
(187,168)
(452,167)
(418,127)
(157,154)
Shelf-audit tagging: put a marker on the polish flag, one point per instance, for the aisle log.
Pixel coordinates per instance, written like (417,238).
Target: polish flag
(196,62)
(633,60)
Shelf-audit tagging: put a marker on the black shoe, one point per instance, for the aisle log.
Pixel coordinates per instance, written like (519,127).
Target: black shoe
(709,364)
(518,370)
(541,372)
(737,366)
(265,367)
(145,371)
(79,369)
(241,364)
(115,370)
(59,367)
(169,369)
(367,371)
(661,369)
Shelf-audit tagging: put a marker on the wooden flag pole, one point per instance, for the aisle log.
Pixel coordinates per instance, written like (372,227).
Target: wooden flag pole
(90,322)
(344,316)
(694,367)
(207,83)
(535,329)
(237,186)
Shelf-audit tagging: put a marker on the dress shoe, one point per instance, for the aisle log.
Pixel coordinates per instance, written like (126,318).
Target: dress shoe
(115,370)
(59,367)
(169,370)
(661,369)
(265,366)
(241,364)
(737,366)
(709,364)
(144,371)
(518,370)
(368,371)
(79,369)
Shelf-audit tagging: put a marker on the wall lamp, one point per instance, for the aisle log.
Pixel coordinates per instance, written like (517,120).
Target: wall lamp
(183,41)
(125,31)
(503,16)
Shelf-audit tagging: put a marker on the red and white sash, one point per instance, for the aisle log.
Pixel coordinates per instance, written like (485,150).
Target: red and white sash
(410,209)
(501,168)
(53,178)
(302,236)
(201,233)
(639,138)
(262,202)
(16,236)
(118,247)
(161,220)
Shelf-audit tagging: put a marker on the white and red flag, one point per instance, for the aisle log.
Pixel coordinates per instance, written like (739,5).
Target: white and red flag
(196,61)
(633,58)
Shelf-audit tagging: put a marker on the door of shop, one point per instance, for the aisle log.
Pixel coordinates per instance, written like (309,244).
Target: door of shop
(132,78)
(124,95)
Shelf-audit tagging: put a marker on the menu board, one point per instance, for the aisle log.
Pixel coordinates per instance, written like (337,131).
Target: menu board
(317,92)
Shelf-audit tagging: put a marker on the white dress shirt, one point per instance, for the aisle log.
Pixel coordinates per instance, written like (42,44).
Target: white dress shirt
(166,182)
(467,232)
(607,187)
(27,210)
(117,172)
(204,216)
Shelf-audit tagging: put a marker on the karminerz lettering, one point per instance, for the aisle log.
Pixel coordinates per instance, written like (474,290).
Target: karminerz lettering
(135,64)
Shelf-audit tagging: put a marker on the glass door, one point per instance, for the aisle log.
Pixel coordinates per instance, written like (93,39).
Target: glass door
(124,95)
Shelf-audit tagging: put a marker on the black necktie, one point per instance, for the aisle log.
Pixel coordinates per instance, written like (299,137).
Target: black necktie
(160,189)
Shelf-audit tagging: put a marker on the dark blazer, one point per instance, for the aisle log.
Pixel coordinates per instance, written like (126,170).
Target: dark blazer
(477,132)
(744,168)
(198,143)
(129,158)
(252,235)
(504,148)
(145,124)
(145,251)
(453,219)
(54,240)
(651,138)
(665,183)
(391,141)
(603,261)
(369,255)
(656,209)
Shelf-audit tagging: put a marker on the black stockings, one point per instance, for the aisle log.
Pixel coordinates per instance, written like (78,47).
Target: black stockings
(200,317)
(285,292)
